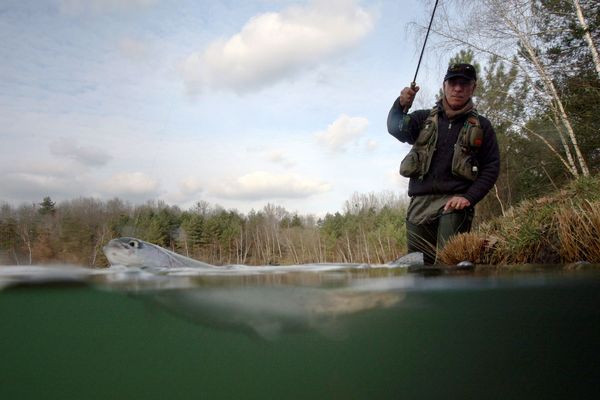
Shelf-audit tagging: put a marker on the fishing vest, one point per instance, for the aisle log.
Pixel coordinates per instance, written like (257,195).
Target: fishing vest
(464,163)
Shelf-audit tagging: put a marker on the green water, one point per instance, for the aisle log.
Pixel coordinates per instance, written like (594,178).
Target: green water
(454,338)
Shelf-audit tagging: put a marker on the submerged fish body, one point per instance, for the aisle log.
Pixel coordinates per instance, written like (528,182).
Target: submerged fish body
(271,311)
(132,252)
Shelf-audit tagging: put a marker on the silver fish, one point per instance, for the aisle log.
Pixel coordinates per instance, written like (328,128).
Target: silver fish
(132,252)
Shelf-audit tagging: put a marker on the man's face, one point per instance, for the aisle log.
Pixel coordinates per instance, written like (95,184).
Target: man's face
(458,91)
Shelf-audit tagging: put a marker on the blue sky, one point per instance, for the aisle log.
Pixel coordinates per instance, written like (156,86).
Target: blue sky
(235,103)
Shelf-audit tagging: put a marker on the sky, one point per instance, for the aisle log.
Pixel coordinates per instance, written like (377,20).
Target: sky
(238,104)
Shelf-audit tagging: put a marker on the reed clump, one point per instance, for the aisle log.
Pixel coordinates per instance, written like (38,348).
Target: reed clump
(560,228)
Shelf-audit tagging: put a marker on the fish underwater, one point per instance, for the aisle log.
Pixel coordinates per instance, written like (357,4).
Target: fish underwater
(260,301)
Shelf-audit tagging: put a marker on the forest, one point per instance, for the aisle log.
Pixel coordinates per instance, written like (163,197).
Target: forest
(539,85)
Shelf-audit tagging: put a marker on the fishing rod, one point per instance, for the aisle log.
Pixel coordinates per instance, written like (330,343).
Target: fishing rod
(413,84)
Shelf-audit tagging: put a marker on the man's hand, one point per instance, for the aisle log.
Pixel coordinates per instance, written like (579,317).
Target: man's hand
(407,96)
(456,203)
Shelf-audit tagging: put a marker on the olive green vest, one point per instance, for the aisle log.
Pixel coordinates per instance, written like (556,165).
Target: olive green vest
(464,164)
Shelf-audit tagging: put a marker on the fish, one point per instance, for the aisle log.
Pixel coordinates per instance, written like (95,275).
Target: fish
(265,302)
(133,252)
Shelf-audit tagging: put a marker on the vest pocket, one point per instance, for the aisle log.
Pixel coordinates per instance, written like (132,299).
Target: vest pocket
(463,163)
(410,166)
(415,164)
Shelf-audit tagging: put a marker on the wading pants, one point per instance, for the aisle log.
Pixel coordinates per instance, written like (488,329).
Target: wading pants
(431,237)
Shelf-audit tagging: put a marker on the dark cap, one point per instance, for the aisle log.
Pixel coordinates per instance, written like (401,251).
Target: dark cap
(466,71)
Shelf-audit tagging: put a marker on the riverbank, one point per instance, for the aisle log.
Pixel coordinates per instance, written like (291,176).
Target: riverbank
(563,227)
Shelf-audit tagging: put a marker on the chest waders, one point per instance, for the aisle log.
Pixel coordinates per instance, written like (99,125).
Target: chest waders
(464,163)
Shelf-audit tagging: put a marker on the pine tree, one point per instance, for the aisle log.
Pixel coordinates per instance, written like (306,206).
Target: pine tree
(47,206)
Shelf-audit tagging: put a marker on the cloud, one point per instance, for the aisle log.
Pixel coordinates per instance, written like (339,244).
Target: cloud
(262,185)
(89,155)
(342,132)
(133,184)
(276,45)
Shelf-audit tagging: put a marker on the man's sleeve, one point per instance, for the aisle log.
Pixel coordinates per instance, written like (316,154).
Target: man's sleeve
(405,127)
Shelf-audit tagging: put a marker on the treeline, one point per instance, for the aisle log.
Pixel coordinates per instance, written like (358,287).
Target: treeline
(370,230)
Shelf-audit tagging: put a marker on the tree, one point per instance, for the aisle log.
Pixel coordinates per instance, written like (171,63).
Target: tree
(570,51)
(8,235)
(587,34)
(47,206)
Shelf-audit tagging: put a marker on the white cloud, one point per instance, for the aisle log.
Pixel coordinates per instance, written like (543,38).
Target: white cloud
(87,155)
(276,45)
(262,185)
(342,131)
(131,184)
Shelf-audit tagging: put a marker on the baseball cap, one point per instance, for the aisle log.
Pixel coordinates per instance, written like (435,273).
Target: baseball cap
(466,71)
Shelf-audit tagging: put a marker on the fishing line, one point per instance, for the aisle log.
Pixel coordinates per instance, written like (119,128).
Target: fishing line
(414,81)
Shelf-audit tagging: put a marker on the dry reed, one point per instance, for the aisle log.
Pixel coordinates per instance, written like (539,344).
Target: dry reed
(464,247)
(564,228)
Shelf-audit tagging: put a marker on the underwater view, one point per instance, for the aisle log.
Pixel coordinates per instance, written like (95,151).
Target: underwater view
(316,331)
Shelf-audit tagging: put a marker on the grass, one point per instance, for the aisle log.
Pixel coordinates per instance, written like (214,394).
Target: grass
(560,228)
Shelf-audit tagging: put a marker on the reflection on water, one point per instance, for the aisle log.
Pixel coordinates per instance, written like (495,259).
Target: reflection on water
(265,304)
(331,333)
(271,311)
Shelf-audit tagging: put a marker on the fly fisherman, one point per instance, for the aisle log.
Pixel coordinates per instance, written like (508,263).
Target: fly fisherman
(453,164)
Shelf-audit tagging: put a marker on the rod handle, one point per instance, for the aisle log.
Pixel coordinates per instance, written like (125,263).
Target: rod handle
(413,85)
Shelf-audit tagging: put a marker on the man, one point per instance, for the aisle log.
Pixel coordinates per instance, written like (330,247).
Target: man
(453,164)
